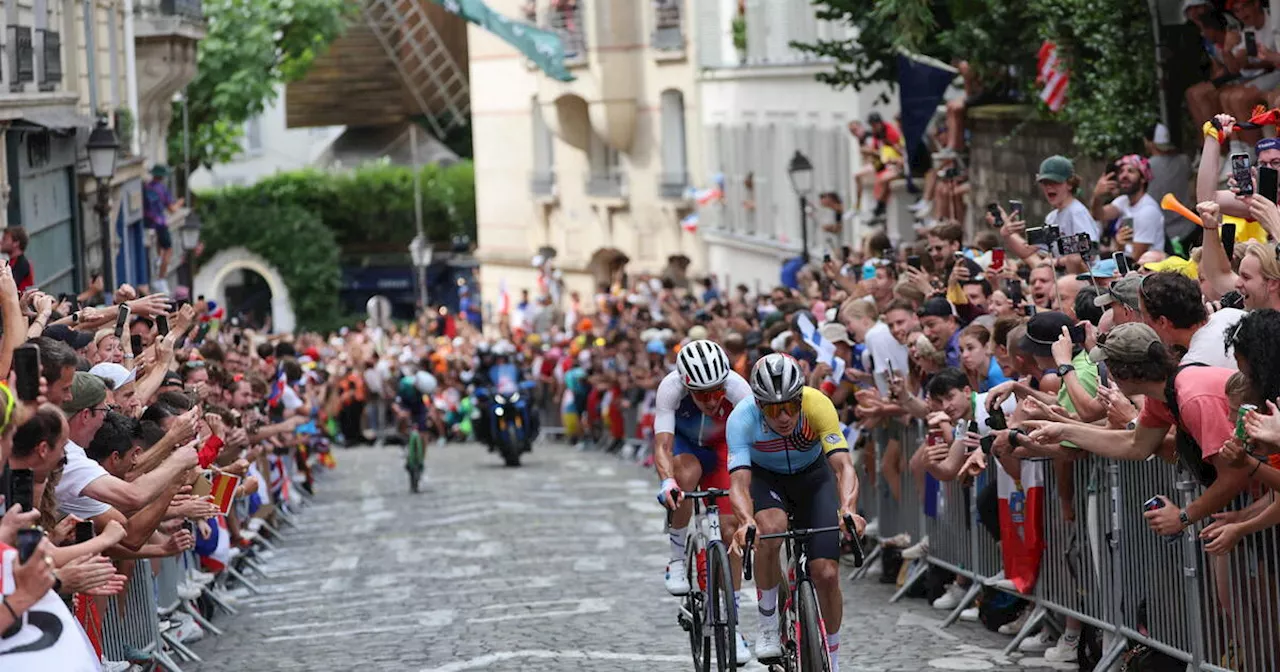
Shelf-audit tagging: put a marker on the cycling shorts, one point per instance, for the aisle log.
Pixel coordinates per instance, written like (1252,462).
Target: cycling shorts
(715,466)
(810,495)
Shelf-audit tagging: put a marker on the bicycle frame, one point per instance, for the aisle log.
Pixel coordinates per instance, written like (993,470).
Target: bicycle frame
(704,531)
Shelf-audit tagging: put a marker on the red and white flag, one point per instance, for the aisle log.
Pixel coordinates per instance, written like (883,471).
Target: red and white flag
(1022,523)
(1052,76)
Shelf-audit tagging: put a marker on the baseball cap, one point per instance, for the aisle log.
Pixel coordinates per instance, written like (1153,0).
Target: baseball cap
(834,332)
(1044,329)
(874,118)
(1160,137)
(171,379)
(118,375)
(1056,168)
(1124,291)
(697,332)
(1266,144)
(937,307)
(1102,268)
(87,391)
(78,340)
(1129,342)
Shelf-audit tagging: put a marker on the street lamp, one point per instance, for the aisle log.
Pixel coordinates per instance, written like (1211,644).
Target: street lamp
(190,231)
(800,170)
(103,148)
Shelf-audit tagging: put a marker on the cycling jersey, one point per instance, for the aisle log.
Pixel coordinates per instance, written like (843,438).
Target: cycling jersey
(751,441)
(676,413)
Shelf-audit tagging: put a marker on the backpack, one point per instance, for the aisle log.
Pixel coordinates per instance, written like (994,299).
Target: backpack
(996,608)
(1190,456)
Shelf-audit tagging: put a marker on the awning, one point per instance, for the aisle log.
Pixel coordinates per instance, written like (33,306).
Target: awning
(63,120)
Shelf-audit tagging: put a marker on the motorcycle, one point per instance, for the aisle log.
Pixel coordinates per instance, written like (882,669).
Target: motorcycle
(511,429)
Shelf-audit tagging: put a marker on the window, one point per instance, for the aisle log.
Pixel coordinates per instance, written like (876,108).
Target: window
(675,173)
(543,153)
(605,178)
(253,135)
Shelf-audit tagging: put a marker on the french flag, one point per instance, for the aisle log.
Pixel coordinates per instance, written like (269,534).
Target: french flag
(215,549)
(277,389)
(1022,523)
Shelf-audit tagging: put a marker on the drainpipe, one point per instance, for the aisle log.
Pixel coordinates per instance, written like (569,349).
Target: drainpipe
(91,51)
(131,78)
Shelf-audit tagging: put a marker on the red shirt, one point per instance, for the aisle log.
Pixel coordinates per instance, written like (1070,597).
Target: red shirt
(1203,405)
(23,273)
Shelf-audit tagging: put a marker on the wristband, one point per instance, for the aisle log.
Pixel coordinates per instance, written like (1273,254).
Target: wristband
(1211,129)
(12,613)
(1257,466)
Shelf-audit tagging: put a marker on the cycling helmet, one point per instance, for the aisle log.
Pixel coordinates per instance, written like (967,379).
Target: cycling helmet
(424,382)
(776,378)
(702,365)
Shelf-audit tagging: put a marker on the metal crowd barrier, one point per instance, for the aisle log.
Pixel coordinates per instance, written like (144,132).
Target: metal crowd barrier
(1102,565)
(131,624)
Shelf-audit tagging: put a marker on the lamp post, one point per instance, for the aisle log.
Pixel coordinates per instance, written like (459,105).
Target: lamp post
(103,148)
(800,170)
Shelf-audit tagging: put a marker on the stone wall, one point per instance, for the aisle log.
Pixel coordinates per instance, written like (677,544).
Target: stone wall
(1006,147)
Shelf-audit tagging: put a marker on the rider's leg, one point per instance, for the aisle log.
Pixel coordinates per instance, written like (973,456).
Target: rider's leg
(688,471)
(768,573)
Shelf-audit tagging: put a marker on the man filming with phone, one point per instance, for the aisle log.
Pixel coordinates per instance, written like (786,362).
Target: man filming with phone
(1141,226)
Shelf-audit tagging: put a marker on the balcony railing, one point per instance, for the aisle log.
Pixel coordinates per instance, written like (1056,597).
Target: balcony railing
(673,186)
(543,184)
(22,57)
(51,60)
(610,184)
(565,18)
(668,29)
(190,9)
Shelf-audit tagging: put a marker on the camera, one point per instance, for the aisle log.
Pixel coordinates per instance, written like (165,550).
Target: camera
(996,420)
(1080,244)
(1043,235)
(1232,299)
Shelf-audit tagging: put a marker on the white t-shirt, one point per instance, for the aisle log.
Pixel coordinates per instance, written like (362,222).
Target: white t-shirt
(1265,37)
(1208,344)
(290,399)
(887,352)
(78,473)
(1074,220)
(671,391)
(1148,221)
(56,640)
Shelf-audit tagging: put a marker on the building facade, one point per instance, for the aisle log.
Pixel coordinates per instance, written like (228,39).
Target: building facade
(594,168)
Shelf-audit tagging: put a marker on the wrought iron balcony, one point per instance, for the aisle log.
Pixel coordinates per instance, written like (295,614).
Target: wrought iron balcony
(610,184)
(190,9)
(668,28)
(51,60)
(22,57)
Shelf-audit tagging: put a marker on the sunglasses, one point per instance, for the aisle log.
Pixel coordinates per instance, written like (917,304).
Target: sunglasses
(788,408)
(707,396)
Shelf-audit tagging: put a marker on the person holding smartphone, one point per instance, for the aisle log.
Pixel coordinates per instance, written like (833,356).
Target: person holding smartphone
(1141,225)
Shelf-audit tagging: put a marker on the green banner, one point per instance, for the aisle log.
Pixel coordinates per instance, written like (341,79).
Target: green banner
(543,47)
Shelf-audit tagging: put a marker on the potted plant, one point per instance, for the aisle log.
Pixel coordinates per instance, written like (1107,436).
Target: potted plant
(739,27)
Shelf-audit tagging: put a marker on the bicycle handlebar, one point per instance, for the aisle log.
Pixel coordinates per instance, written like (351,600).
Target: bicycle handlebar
(710,493)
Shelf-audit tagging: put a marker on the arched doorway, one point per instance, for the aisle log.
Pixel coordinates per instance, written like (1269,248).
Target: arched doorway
(241,280)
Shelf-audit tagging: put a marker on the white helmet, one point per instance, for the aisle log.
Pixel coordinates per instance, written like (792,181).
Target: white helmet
(702,365)
(425,382)
(776,378)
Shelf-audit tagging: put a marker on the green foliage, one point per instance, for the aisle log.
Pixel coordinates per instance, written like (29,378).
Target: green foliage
(251,47)
(371,205)
(1111,96)
(275,230)
(739,27)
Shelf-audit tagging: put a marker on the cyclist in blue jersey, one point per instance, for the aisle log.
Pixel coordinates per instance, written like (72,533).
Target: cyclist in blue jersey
(691,408)
(777,442)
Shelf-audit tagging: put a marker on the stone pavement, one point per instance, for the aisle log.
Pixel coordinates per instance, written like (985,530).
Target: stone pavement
(556,565)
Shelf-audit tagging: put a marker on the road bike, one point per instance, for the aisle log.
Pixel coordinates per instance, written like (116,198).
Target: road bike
(802,630)
(708,612)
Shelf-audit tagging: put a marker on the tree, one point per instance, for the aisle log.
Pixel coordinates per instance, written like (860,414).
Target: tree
(251,47)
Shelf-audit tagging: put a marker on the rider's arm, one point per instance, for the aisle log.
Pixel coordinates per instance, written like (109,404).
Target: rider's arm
(846,478)
(668,397)
(738,434)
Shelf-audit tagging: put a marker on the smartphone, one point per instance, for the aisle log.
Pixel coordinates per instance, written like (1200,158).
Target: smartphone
(1153,504)
(997,259)
(1232,299)
(826,259)
(28,539)
(914,261)
(1013,289)
(1251,44)
(1029,309)
(122,319)
(845,252)
(1228,234)
(22,484)
(962,429)
(135,342)
(26,367)
(75,304)
(1243,177)
(236,339)
(994,210)
(84,531)
(1015,209)
(1267,182)
(1125,223)
(1122,263)
(162,325)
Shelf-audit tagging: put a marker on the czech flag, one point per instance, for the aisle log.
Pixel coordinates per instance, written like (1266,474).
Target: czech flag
(1022,523)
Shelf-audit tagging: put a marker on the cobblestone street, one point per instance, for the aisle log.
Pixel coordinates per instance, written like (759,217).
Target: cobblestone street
(556,565)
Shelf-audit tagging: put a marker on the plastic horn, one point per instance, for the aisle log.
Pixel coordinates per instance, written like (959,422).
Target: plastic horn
(1169,202)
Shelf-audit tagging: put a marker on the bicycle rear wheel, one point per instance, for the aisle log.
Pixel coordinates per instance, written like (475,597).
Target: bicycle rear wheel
(813,641)
(415,459)
(721,610)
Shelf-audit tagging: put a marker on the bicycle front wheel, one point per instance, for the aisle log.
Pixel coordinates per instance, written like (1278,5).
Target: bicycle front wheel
(415,459)
(813,641)
(695,605)
(721,608)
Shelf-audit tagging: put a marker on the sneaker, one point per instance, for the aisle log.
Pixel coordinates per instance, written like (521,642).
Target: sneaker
(919,550)
(186,629)
(969,615)
(1041,643)
(677,578)
(1015,626)
(920,206)
(743,652)
(188,590)
(1065,651)
(1005,585)
(114,665)
(768,647)
(201,578)
(950,599)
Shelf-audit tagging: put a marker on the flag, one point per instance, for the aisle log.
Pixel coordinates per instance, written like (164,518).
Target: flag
(826,349)
(922,84)
(543,47)
(504,303)
(1022,523)
(705,197)
(277,388)
(215,549)
(224,490)
(690,222)
(1051,73)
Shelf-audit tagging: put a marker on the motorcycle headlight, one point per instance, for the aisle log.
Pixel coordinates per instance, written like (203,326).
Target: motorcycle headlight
(498,411)
(499,399)
(515,398)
